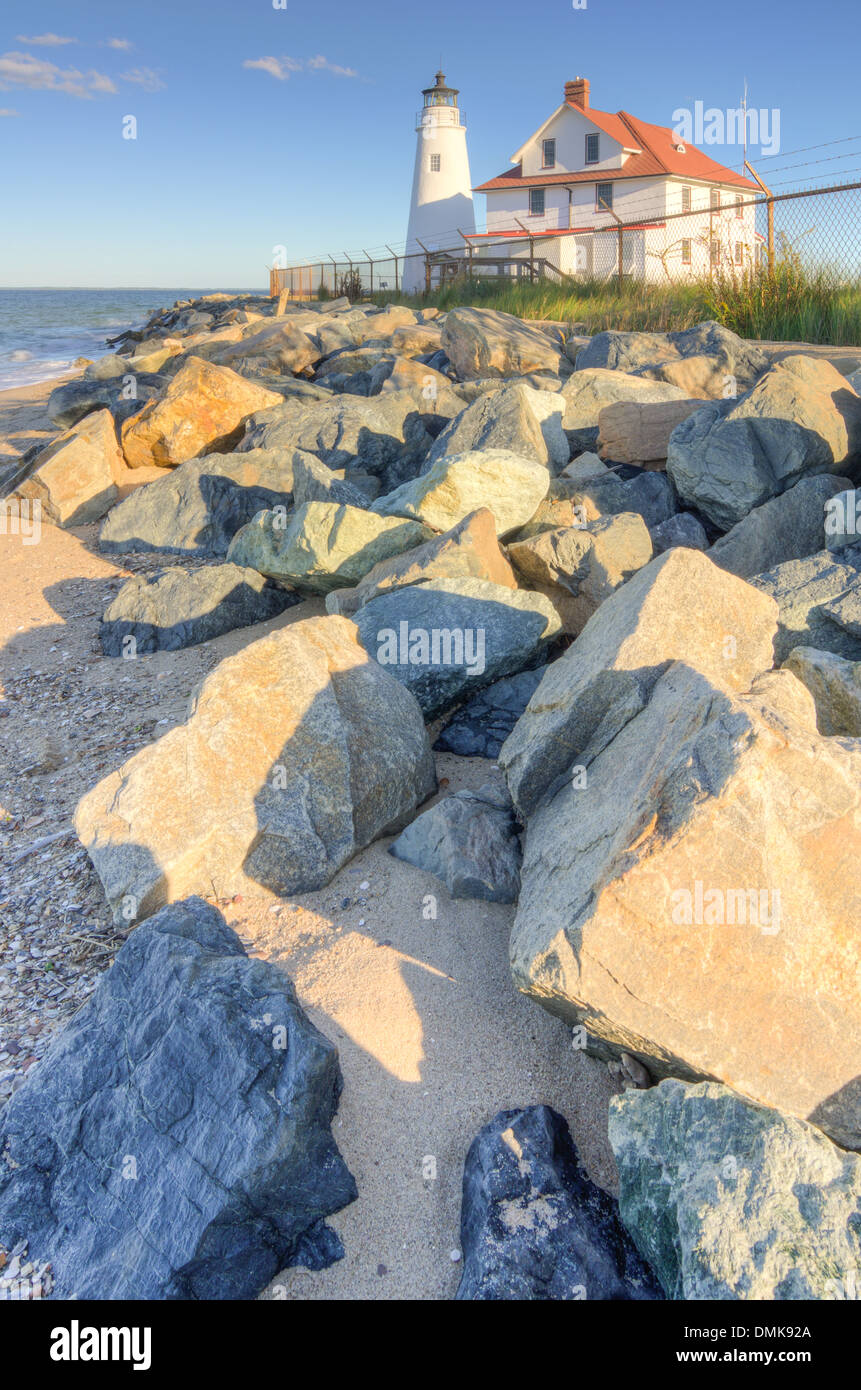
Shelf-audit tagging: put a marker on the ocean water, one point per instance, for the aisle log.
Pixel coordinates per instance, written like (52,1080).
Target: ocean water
(43,331)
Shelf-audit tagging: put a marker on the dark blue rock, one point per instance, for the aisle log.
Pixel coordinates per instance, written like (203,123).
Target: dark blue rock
(174,1142)
(481,726)
(533,1226)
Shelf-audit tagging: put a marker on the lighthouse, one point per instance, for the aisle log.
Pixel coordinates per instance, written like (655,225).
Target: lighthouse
(441,205)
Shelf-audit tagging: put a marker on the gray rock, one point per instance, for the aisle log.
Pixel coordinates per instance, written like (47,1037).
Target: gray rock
(174,1142)
(532,1224)
(800,419)
(682,529)
(314,481)
(517,418)
(485,343)
(728,1200)
(481,726)
(510,486)
(788,527)
(197,508)
(470,841)
(178,608)
(835,685)
(587,392)
(447,639)
(843,520)
(69,403)
(803,591)
(700,357)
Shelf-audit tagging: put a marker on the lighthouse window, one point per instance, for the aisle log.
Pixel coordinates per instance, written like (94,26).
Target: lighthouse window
(536,202)
(549,147)
(435,163)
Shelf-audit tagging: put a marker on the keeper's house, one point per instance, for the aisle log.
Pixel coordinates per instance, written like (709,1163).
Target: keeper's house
(585,171)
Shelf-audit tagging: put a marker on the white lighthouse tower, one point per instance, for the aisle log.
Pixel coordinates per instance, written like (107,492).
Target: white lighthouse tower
(441,203)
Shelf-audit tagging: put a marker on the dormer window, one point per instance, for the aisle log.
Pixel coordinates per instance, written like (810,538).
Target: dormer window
(592,149)
(536,202)
(548,154)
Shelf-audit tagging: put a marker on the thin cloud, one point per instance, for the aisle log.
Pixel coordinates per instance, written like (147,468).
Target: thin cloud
(143,77)
(124,44)
(45,40)
(7,111)
(282,68)
(23,70)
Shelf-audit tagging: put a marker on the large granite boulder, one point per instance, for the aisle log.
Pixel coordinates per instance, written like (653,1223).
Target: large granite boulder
(321,546)
(69,403)
(175,1141)
(706,360)
(589,562)
(480,727)
(787,527)
(800,418)
(835,685)
(680,607)
(485,343)
(729,1201)
(586,394)
(180,608)
(197,508)
(75,479)
(686,896)
(470,550)
(202,410)
(314,481)
(510,486)
(278,345)
(517,418)
(805,592)
(446,638)
(533,1226)
(298,752)
(385,435)
(638,431)
(470,841)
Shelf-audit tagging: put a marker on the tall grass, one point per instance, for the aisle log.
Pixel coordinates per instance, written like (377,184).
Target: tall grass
(788,304)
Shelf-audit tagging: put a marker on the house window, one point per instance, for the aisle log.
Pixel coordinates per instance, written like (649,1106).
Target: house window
(536,202)
(739,208)
(592,154)
(686,199)
(548,153)
(715,199)
(435,163)
(715,251)
(686,251)
(604,197)
(739,253)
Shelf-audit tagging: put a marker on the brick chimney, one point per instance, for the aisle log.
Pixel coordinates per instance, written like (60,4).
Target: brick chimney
(578,91)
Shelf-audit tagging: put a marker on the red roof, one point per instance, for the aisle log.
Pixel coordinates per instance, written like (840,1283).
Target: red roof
(657,154)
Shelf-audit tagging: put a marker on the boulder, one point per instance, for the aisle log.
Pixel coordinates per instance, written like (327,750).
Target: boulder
(445,639)
(639,431)
(584,468)
(415,340)
(314,481)
(202,410)
(804,591)
(801,418)
(843,519)
(509,485)
(481,726)
(385,435)
(69,403)
(469,550)
(437,398)
(321,546)
(534,1227)
(728,1200)
(277,345)
(180,608)
(686,895)
(175,1140)
(681,529)
(787,527)
(680,607)
(835,685)
(470,841)
(707,360)
(590,562)
(298,752)
(197,508)
(586,394)
(75,479)
(485,343)
(517,419)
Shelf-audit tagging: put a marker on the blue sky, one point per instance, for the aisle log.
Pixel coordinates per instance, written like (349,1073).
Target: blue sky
(312,146)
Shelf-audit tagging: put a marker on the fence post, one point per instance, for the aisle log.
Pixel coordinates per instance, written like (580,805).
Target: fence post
(769,212)
(370,273)
(388,248)
(621,258)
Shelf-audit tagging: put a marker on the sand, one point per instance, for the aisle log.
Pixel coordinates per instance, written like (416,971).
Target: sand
(23,418)
(432,1036)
